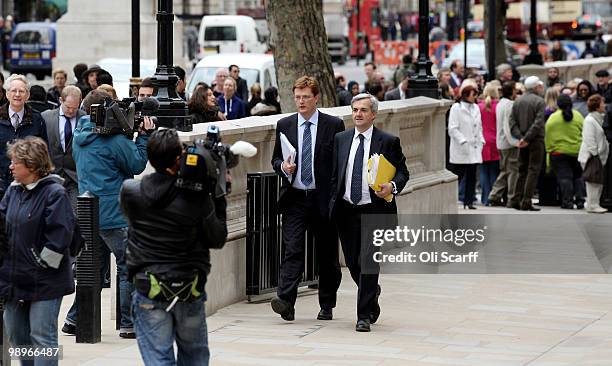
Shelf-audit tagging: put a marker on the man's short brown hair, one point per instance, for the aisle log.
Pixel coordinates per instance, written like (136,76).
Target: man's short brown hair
(307,82)
(96,96)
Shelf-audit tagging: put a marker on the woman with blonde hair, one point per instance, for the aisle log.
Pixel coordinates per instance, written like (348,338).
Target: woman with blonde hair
(109,89)
(489,169)
(550,99)
(37,227)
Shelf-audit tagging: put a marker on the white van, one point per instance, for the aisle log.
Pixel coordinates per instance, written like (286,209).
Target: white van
(254,68)
(229,33)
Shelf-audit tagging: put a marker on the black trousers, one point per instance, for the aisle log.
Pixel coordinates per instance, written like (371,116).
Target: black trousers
(301,214)
(348,219)
(530,162)
(467,172)
(569,178)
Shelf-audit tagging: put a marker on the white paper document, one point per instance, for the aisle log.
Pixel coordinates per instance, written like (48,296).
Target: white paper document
(287,148)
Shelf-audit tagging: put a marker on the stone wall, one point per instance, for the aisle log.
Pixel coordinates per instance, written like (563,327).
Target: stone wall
(420,123)
(568,70)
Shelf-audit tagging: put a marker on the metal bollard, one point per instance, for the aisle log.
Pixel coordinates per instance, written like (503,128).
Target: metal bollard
(88,288)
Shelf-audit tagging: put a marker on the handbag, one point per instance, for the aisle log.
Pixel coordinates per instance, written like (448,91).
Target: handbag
(593,170)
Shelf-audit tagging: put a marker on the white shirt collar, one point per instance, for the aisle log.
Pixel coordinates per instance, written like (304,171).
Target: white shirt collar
(401,92)
(314,119)
(367,134)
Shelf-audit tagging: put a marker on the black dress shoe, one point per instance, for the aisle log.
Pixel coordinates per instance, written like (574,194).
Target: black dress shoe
(127,335)
(284,308)
(376,309)
(69,329)
(495,203)
(325,314)
(363,325)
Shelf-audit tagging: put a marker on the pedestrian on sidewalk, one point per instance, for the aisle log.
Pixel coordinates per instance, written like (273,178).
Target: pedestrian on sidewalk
(563,137)
(171,233)
(37,225)
(304,199)
(489,169)
(594,146)
(527,124)
(467,140)
(352,199)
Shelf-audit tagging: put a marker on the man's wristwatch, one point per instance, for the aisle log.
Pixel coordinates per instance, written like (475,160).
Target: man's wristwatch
(394,191)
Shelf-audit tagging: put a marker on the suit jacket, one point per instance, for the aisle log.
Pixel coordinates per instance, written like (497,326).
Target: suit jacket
(63,162)
(242,90)
(327,127)
(382,143)
(393,94)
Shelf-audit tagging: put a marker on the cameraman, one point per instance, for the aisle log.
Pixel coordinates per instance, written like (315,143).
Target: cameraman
(171,231)
(103,162)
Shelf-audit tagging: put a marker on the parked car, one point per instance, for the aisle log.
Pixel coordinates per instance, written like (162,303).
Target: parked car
(254,68)
(229,33)
(121,70)
(477,57)
(32,49)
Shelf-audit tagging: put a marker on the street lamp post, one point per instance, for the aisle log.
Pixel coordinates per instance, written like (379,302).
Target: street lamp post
(173,112)
(491,43)
(423,83)
(534,56)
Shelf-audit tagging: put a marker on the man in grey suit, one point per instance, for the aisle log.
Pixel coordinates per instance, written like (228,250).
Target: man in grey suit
(399,92)
(61,123)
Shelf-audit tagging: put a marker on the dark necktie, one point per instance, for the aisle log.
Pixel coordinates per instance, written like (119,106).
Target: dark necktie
(357,173)
(67,132)
(306,155)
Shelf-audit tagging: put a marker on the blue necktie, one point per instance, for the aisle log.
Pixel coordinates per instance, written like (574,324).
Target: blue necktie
(357,173)
(306,155)
(67,132)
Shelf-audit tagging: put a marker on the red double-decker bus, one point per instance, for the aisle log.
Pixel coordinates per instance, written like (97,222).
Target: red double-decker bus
(554,18)
(367,17)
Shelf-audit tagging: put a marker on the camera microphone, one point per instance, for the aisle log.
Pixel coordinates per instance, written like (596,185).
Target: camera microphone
(150,105)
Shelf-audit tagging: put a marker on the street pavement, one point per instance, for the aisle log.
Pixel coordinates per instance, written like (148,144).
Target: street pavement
(443,319)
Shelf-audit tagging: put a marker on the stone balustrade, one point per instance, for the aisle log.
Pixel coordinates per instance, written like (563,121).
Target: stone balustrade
(568,70)
(420,123)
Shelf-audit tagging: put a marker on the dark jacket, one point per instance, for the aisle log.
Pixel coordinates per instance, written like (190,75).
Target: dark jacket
(382,143)
(53,95)
(31,125)
(171,229)
(207,116)
(37,228)
(63,161)
(242,90)
(103,163)
(605,92)
(235,106)
(527,117)
(328,127)
(344,96)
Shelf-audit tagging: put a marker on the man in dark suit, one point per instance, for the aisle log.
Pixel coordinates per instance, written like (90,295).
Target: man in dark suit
(61,123)
(398,93)
(352,198)
(304,199)
(242,89)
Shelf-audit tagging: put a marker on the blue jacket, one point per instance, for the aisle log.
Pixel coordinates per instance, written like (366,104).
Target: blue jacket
(31,125)
(234,105)
(103,162)
(36,231)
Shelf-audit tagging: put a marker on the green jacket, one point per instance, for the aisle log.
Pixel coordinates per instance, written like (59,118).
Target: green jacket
(562,136)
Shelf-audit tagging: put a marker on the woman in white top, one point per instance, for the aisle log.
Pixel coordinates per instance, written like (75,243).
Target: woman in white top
(594,143)
(467,140)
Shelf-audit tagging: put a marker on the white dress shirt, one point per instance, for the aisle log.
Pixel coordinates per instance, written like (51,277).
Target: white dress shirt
(314,119)
(62,123)
(348,175)
(12,113)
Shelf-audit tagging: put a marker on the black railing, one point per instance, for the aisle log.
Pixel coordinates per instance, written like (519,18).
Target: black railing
(264,237)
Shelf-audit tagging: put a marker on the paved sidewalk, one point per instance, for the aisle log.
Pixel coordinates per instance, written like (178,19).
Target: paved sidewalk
(535,320)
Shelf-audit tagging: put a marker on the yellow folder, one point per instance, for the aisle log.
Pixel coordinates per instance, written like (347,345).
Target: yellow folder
(380,171)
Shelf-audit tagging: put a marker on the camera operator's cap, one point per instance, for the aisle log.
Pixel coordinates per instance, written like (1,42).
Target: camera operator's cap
(92,68)
(602,74)
(532,81)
